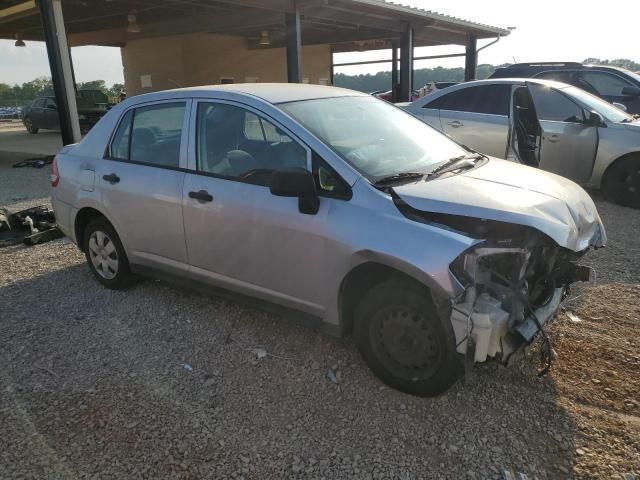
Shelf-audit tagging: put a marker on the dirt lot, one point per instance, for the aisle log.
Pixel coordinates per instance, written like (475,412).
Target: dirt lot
(159,382)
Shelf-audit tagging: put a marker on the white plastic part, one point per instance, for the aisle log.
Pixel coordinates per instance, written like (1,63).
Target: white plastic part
(489,326)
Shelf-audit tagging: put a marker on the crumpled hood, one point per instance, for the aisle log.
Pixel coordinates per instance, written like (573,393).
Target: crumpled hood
(514,193)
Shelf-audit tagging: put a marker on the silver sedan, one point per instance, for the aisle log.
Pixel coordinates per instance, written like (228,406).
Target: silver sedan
(545,124)
(334,204)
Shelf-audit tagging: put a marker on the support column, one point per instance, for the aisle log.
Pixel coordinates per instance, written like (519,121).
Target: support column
(61,70)
(471,59)
(406,65)
(394,71)
(332,68)
(294,47)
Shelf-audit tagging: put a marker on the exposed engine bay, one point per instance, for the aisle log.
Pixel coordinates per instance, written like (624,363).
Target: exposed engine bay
(514,279)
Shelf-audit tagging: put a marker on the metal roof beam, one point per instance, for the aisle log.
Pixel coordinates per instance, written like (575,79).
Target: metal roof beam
(18,11)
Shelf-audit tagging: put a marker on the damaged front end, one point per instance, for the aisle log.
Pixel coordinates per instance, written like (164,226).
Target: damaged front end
(512,287)
(513,280)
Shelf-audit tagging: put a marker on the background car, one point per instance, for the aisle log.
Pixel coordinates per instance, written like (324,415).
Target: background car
(616,85)
(42,113)
(388,95)
(10,113)
(333,203)
(545,124)
(95,97)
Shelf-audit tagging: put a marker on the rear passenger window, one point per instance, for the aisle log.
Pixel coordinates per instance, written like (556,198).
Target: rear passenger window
(120,142)
(487,99)
(150,135)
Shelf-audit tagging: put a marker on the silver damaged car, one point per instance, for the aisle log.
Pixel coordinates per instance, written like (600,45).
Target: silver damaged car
(545,124)
(334,204)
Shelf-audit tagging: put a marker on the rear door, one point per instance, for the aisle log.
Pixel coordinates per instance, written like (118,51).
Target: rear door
(141,180)
(569,145)
(477,116)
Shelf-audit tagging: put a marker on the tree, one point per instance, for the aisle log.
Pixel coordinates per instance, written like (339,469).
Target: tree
(618,62)
(115,89)
(93,85)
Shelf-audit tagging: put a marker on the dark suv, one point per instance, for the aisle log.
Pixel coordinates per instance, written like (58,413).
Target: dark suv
(616,85)
(43,113)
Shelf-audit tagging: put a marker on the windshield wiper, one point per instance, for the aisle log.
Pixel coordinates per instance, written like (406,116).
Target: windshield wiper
(398,177)
(466,161)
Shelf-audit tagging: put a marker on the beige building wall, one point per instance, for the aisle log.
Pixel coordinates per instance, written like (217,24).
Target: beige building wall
(205,59)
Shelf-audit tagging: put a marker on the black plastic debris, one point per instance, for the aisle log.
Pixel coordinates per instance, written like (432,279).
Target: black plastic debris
(31,226)
(34,162)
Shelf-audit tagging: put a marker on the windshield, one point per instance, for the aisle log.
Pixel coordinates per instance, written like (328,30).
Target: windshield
(604,108)
(376,138)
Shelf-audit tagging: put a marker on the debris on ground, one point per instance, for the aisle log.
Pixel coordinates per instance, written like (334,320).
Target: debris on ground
(38,162)
(31,226)
(260,353)
(332,376)
(573,317)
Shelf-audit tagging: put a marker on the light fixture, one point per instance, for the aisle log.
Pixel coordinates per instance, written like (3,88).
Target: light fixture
(19,41)
(133,27)
(264,38)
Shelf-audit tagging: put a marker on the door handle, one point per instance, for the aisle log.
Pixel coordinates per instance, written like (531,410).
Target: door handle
(111,178)
(455,123)
(553,138)
(202,196)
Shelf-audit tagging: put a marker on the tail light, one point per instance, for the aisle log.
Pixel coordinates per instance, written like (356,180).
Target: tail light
(55,176)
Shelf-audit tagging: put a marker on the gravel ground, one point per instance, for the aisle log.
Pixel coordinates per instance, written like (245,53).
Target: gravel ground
(22,186)
(160,382)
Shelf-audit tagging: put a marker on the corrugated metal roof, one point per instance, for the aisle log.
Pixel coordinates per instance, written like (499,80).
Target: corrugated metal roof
(398,7)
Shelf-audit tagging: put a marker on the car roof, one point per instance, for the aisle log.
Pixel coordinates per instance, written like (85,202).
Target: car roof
(557,66)
(270,92)
(489,81)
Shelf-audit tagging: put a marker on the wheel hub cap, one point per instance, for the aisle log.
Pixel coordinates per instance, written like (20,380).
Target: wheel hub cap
(103,255)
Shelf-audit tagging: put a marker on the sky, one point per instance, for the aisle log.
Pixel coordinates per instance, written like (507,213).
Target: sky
(546,30)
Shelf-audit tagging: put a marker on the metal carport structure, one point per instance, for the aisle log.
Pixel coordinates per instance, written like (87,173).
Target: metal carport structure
(345,25)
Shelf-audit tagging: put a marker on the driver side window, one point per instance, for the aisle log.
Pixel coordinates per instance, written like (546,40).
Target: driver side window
(551,105)
(233,142)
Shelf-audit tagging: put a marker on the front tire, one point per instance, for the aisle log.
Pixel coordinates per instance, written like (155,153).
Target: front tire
(622,183)
(106,256)
(28,123)
(403,340)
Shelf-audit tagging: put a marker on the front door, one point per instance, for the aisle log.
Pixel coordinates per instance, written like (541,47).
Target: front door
(50,119)
(613,88)
(238,234)
(141,183)
(569,145)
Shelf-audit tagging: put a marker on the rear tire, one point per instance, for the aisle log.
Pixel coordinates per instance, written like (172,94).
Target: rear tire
(403,340)
(106,256)
(28,123)
(622,183)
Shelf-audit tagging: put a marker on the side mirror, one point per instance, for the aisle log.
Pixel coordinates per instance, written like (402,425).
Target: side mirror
(595,119)
(296,182)
(631,91)
(52,107)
